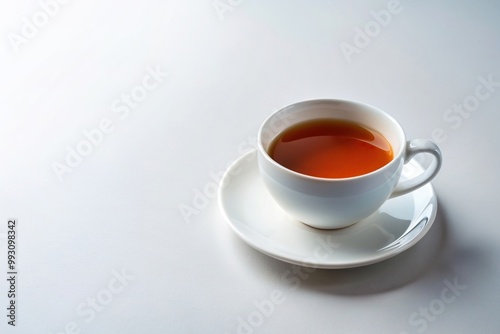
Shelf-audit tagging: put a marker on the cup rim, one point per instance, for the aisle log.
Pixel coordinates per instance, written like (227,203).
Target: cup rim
(395,159)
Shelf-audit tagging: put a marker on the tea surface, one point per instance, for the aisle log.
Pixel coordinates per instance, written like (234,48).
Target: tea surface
(331,148)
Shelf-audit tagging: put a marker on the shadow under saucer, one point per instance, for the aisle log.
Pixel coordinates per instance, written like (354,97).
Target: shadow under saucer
(387,275)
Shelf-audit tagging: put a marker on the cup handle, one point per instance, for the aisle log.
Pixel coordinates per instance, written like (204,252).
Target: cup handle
(414,147)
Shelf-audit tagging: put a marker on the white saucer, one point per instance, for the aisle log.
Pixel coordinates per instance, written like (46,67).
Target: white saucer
(260,222)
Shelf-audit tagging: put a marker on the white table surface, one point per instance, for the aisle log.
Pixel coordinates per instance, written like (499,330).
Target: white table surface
(102,244)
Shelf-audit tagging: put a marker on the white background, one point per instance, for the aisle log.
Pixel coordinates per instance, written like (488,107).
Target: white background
(119,209)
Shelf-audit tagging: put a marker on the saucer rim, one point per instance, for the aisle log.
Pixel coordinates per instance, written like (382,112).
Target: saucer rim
(327,264)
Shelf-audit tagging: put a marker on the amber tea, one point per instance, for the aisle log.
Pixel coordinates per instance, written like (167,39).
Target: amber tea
(331,148)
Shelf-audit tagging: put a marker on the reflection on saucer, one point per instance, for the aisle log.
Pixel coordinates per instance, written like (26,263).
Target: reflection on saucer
(259,221)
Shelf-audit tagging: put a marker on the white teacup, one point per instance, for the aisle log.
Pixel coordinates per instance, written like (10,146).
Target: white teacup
(330,203)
